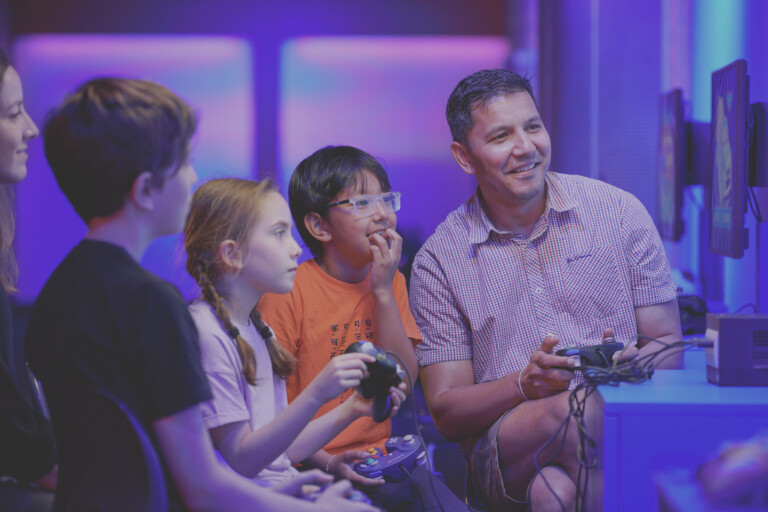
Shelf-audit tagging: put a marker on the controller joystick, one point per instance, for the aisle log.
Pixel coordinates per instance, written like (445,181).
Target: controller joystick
(600,356)
(383,373)
(404,454)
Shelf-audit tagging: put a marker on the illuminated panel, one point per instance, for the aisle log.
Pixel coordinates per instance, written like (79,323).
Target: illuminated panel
(387,96)
(213,74)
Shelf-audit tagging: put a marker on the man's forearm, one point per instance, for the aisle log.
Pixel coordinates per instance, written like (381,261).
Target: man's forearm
(469,410)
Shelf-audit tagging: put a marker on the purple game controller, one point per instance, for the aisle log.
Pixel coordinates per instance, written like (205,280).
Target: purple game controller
(404,454)
(383,373)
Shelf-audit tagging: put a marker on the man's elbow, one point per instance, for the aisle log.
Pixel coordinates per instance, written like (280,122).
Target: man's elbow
(447,425)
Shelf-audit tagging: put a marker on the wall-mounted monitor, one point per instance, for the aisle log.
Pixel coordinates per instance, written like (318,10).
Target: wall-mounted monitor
(670,176)
(729,149)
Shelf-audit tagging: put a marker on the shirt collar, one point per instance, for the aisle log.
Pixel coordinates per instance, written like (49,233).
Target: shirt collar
(481,226)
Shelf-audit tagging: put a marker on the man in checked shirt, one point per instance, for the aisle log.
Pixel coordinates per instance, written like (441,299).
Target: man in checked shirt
(533,262)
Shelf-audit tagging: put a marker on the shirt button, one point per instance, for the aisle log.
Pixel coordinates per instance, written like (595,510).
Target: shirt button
(538,289)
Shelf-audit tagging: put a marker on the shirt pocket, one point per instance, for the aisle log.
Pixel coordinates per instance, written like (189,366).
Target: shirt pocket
(592,283)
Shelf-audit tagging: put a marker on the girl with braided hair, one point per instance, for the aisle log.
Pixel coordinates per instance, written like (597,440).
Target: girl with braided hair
(239,246)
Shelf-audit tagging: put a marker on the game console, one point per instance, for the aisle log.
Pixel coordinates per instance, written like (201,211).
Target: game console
(739,352)
(404,454)
(384,372)
(600,356)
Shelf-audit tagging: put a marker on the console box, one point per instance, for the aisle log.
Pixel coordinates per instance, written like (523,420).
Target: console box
(739,352)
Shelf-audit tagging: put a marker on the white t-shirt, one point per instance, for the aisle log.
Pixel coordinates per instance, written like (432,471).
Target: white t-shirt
(233,398)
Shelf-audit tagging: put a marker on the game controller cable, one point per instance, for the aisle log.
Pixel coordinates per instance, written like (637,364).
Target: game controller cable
(421,439)
(635,371)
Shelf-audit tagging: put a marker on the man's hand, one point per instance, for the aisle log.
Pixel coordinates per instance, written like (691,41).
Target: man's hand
(627,354)
(541,377)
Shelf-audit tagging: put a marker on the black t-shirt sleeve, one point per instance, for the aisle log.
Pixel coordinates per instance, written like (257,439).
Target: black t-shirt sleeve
(170,373)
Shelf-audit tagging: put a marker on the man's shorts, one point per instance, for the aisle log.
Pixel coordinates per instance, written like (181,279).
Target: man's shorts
(485,484)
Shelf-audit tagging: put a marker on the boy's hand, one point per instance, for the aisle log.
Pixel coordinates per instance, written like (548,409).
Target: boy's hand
(341,373)
(386,248)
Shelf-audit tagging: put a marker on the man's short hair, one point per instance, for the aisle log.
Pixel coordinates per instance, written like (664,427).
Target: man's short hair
(321,176)
(475,91)
(109,131)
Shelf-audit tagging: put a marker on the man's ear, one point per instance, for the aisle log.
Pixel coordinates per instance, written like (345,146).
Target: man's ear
(141,192)
(317,227)
(231,255)
(460,153)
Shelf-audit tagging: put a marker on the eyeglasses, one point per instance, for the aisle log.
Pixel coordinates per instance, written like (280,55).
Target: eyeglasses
(365,205)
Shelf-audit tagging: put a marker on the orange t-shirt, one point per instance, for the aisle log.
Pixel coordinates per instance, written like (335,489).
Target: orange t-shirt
(318,320)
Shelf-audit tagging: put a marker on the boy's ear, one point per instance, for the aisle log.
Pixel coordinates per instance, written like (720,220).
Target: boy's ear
(141,192)
(317,227)
(231,255)
(460,153)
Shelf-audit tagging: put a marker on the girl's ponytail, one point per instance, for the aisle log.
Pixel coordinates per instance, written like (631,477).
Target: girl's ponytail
(283,362)
(212,297)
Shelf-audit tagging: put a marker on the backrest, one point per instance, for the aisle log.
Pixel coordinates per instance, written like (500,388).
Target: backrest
(106,460)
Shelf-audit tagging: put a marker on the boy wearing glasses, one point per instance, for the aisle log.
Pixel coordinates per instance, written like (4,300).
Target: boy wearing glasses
(343,207)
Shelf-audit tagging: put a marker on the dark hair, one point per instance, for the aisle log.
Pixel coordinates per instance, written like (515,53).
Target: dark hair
(9,269)
(477,90)
(226,209)
(321,176)
(5,63)
(108,132)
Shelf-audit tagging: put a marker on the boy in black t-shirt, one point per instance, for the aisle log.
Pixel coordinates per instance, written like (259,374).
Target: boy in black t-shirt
(119,151)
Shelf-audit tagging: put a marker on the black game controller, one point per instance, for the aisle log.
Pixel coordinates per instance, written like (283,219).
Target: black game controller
(600,356)
(404,454)
(384,372)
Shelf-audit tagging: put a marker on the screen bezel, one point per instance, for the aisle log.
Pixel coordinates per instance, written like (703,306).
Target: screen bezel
(726,232)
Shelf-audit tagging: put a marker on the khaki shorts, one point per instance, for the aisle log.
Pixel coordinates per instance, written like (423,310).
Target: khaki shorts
(485,485)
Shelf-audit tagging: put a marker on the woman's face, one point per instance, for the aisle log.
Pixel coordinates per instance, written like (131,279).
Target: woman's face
(16,129)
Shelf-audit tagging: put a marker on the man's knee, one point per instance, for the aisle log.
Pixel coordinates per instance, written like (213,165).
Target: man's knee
(552,489)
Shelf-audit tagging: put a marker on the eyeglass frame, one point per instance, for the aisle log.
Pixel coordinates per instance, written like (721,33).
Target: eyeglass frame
(375,198)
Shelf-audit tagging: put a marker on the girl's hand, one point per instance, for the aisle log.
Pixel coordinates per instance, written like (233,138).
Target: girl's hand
(342,467)
(397,395)
(362,406)
(386,248)
(341,373)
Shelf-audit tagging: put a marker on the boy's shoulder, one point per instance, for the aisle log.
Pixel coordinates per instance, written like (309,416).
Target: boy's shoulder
(95,273)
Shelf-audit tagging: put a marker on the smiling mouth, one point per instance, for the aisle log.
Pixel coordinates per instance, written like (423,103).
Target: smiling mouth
(524,168)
